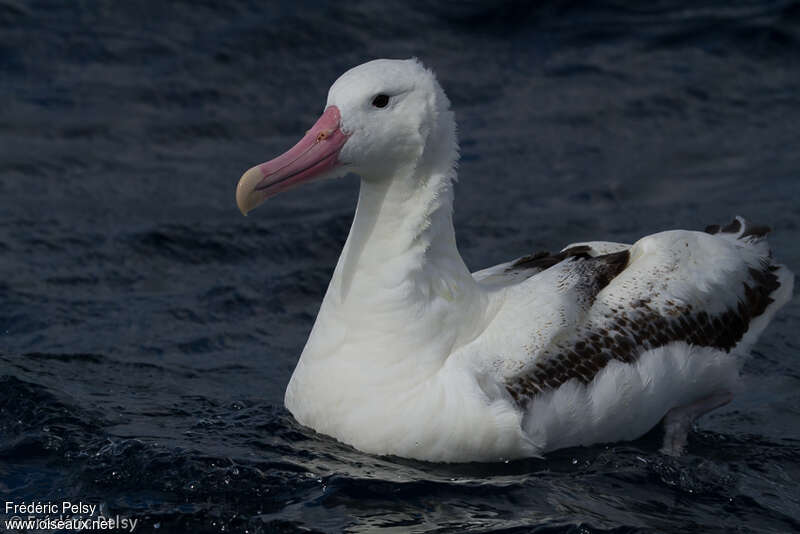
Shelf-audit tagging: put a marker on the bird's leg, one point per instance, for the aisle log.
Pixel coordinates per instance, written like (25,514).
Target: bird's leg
(678,421)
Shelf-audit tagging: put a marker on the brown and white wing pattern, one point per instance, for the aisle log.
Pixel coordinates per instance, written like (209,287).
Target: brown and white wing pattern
(702,289)
(523,268)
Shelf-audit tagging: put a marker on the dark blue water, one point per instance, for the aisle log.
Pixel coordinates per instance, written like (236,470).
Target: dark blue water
(148,330)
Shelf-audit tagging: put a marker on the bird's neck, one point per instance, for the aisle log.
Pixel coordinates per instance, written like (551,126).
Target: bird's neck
(402,234)
(402,247)
(400,286)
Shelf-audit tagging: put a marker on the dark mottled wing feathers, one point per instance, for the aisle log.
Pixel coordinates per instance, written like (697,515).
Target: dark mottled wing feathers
(680,286)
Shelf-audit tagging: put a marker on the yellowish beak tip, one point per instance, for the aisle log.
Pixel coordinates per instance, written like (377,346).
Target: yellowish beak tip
(247,197)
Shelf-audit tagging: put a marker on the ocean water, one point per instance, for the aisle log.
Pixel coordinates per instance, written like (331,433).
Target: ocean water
(148,330)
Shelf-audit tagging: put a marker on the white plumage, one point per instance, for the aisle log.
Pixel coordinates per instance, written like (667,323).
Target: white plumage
(413,355)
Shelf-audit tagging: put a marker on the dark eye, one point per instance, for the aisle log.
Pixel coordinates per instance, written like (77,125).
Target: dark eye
(380,101)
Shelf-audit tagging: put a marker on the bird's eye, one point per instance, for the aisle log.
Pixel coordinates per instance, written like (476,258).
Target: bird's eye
(380,101)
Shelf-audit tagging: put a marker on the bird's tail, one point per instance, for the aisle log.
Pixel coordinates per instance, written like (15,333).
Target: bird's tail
(746,234)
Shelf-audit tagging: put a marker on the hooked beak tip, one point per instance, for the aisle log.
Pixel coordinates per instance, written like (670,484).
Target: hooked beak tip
(247,197)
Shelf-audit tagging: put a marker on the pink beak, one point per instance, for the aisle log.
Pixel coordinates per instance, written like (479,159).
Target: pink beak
(315,153)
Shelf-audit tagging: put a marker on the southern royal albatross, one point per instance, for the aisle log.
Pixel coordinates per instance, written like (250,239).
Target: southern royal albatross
(413,355)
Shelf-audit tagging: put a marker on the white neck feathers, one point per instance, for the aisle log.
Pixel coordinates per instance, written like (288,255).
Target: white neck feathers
(400,284)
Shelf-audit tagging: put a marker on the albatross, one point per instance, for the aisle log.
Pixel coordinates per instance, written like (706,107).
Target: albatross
(412,355)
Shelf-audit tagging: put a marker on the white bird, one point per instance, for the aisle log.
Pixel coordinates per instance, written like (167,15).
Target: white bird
(413,355)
